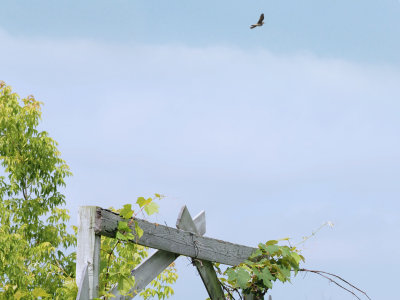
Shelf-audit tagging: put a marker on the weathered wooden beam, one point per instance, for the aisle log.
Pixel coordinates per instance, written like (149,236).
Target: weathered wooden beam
(150,268)
(146,272)
(204,267)
(175,240)
(88,252)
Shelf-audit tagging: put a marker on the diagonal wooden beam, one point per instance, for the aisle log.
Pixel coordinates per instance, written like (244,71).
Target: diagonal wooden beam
(155,264)
(175,240)
(204,267)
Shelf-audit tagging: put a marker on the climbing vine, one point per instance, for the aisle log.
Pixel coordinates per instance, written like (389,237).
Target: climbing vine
(119,256)
(270,262)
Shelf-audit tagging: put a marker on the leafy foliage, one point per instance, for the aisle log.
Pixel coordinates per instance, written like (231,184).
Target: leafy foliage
(33,232)
(270,262)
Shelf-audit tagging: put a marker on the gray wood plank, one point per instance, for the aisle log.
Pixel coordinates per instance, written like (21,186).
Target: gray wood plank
(83,286)
(154,265)
(88,252)
(200,223)
(205,268)
(175,240)
(146,272)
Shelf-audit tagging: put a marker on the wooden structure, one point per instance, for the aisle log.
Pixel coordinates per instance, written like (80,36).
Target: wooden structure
(187,240)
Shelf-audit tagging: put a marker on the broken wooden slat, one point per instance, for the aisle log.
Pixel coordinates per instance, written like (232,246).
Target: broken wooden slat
(88,252)
(83,286)
(175,240)
(155,264)
(200,223)
(205,268)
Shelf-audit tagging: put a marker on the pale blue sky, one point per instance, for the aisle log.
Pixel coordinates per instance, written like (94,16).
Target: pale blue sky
(272,131)
(359,29)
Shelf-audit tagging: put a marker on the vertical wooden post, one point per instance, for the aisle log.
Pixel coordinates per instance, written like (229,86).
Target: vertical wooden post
(88,252)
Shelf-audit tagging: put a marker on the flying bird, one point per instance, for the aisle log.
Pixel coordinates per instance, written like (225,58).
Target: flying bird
(259,23)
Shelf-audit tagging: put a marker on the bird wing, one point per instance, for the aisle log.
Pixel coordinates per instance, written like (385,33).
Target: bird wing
(261,19)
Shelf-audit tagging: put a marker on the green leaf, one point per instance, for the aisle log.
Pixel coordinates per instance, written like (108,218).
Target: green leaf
(242,278)
(256,253)
(230,272)
(238,275)
(138,230)
(123,225)
(272,249)
(126,212)
(296,257)
(39,292)
(141,201)
(121,236)
(151,208)
(285,272)
(19,294)
(130,236)
(262,246)
(266,277)
(271,242)
(285,251)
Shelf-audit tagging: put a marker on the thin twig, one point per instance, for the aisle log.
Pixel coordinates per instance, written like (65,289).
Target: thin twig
(361,291)
(60,267)
(320,273)
(109,264)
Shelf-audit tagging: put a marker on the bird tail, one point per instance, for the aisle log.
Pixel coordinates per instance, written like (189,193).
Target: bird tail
(253,26)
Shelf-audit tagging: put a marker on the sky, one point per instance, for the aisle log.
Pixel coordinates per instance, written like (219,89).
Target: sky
(272,131)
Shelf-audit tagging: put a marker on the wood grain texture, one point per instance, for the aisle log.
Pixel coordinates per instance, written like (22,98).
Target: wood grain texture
(174,240)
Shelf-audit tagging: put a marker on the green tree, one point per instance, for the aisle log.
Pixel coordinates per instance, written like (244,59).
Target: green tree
(33,233)
(37,257)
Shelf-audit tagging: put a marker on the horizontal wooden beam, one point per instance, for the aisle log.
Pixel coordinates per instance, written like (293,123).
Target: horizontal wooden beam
(174,240)
(150,268)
